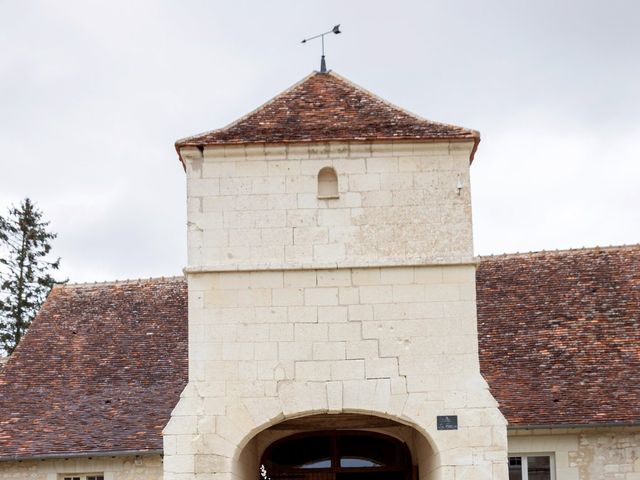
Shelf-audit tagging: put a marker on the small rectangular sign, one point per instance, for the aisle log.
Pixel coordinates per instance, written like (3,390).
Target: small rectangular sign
(447,422)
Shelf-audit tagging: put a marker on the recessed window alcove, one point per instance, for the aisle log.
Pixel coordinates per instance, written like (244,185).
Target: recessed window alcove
(327,183)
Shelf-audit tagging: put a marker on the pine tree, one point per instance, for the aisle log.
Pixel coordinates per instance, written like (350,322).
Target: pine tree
(25,271)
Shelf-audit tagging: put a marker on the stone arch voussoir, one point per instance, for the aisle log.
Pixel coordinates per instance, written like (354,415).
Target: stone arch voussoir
(300,399)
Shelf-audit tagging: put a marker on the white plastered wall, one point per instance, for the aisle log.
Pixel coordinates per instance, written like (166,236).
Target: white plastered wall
(584,453)
(145,467)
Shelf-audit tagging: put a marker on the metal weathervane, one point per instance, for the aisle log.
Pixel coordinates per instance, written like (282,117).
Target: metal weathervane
(336,30)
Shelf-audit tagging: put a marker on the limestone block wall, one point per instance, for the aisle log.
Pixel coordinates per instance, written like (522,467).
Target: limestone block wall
(398,342)
(146,467)
(258,206)
(584,454)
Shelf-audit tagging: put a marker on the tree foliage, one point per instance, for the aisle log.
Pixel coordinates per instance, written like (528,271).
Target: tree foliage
(25,270)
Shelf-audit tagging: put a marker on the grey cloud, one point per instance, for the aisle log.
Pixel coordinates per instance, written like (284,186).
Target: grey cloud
(94,94)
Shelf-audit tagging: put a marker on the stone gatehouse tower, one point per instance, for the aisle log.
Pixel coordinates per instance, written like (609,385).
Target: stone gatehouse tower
(332,298)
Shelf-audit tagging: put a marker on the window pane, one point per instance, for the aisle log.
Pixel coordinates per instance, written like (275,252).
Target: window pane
(354,462)
(515,468)
(306,452)
(539,468)
(322,463)
(360,451)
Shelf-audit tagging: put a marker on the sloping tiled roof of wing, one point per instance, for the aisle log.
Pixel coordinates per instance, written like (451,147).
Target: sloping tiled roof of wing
(100,370)
(103,365)
(327,107)
(560,335)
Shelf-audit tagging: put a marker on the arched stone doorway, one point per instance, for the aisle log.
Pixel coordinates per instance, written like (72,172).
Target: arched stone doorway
(337,455)
(347,446)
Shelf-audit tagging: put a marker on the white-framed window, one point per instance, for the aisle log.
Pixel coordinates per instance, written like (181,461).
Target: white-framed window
(532,466)
(82,476)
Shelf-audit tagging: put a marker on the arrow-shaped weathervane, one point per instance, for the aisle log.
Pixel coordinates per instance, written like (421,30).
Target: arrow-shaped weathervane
(336,30)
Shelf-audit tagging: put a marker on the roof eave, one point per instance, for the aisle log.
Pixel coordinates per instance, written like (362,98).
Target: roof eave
(574,425)
(475,137)
(89,454)
(476,142)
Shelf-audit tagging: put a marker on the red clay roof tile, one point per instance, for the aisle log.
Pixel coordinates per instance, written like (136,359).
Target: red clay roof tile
(559,335)
(103,365)
(100,370)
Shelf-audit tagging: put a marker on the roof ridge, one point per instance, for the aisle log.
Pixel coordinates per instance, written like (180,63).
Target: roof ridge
(171,278)
(176,278)
(560,251)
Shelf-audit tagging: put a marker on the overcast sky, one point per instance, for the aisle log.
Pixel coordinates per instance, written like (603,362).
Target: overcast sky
(94,94)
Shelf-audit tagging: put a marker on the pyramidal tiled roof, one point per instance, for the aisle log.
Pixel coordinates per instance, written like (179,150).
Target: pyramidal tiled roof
(327,107)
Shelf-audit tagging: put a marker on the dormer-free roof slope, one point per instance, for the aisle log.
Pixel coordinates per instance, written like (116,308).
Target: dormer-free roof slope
(102,366)
(559,335)
(98,372)
(327,107)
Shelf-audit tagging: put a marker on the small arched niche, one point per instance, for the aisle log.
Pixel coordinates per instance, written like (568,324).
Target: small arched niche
(327,183)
